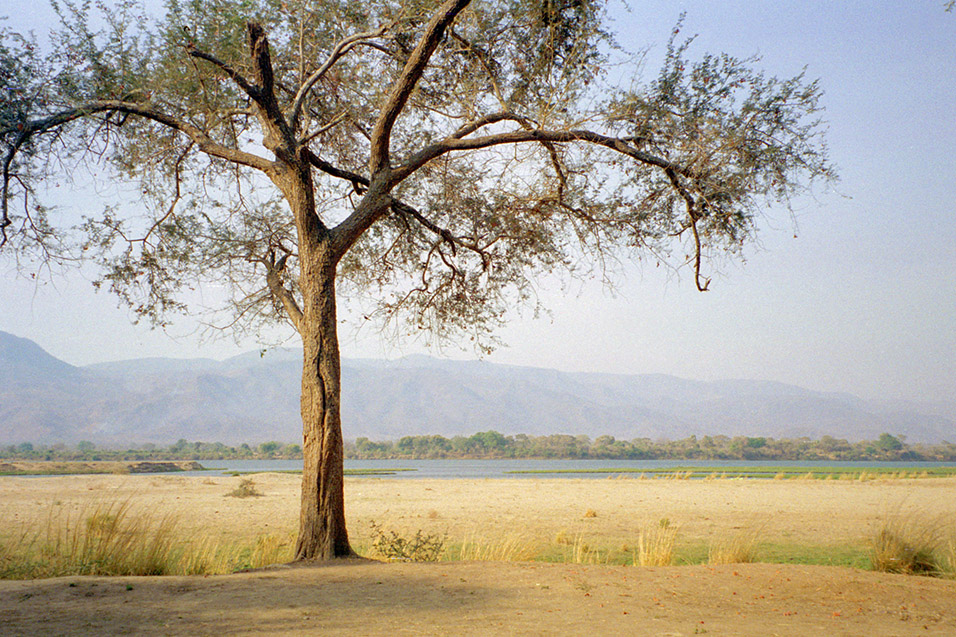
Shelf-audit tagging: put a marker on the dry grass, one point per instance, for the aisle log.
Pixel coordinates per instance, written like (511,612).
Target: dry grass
(115,539)
(655,545)
(914,544)
(739,548)
(582,552)
(514,548)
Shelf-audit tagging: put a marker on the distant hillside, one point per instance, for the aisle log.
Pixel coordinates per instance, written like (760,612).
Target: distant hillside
(253,398)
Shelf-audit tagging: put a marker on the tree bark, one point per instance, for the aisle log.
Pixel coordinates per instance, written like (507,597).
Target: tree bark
(322,532)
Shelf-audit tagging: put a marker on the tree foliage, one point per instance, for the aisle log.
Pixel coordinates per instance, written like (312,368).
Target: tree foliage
(681,163)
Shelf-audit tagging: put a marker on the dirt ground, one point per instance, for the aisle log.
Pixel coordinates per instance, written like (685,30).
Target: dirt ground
(483,598)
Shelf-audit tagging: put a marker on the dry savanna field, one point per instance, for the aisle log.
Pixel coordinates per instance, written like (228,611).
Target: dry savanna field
(517,556)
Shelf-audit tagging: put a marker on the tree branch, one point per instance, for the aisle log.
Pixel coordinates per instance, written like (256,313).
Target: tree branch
(692,213)
(279,291)
(404,209)
(403,87)
(199,137)
(205,143)
(455,143)
(493,118)
(359,182)
(233,74)
(343,47)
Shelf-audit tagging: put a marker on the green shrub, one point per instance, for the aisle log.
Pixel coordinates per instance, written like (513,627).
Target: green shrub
(421,547)
(246,489)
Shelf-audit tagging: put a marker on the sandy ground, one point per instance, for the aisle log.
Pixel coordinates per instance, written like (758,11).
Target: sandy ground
(481,598)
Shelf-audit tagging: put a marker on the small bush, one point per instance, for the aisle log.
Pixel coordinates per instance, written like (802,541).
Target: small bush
(422,547)
(590,513)
(246,489)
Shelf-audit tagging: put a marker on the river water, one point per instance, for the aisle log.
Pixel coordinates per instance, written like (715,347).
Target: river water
(479,469)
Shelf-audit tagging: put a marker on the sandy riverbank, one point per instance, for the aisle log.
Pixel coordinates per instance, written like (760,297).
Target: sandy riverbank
(521,598)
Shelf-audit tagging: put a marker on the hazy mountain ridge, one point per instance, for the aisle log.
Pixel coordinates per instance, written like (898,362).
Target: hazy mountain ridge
(255,397)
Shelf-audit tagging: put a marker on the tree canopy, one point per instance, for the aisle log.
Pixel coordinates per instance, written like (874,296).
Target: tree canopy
(424,160)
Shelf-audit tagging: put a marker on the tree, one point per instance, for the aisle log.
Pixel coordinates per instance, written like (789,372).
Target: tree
(888,442)
(425,161)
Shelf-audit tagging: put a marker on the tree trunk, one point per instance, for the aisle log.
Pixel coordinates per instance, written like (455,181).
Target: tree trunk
(322,532)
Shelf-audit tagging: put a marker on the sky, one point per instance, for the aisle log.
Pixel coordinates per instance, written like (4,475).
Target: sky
(855,291)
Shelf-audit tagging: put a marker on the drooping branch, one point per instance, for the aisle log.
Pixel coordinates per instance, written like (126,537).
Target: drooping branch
(527,124)
(446,235)
(177,192)
(405,84)
(361,183)
(694,216)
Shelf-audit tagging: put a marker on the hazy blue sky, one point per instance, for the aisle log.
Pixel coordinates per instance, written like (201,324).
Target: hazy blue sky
(862,300)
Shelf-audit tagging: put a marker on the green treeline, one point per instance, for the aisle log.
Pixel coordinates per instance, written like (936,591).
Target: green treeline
(491,444)
(86,451)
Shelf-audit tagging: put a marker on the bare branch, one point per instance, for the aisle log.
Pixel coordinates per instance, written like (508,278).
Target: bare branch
(324,128)
(279,291)
(454,143)
(343,47)
(411,74)
(493,118)
(359,183)
(197,135)
(404,209)
(233,74)
(177,179)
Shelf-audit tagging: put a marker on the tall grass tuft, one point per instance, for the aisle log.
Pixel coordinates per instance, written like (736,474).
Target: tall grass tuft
(512,548)
(655,545)
(740,548)
(115,539)
(109,540)
(580,552)
(913,544)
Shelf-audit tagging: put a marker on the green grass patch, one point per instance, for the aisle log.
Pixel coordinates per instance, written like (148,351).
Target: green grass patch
(348,472)
(775,472)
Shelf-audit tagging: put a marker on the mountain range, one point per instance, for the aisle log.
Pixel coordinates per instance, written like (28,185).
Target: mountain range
(253,398)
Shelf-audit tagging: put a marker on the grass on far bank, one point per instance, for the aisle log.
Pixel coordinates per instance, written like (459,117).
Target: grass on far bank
(768,472)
